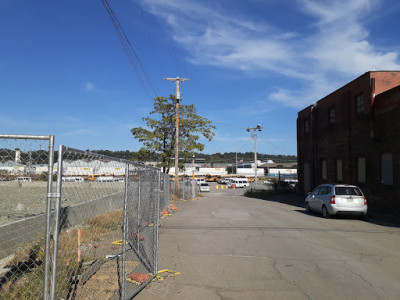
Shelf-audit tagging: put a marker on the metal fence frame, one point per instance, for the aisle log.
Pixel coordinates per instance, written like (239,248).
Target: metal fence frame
(132,169)
(50,139)
(155,199)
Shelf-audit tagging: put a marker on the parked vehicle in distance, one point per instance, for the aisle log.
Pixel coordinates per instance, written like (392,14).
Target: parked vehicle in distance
(238,182)
(72,179)
(200,180)
(104,179)
(23,179)
(204,187)
(210,178)
(223,181)
(337,199)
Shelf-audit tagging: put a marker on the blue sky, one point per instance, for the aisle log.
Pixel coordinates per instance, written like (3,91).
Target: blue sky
(64,72)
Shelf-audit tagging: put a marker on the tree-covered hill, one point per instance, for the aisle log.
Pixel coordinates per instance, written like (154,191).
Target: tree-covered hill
(227,157)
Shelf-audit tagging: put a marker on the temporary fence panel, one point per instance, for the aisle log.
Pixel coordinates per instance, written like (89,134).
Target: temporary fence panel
(108,227)
(165,195)
(139,260)
(92,235)
(26,169)
(187,189)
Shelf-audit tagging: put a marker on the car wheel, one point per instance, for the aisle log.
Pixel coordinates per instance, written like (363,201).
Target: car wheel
(325,212)
(308,210)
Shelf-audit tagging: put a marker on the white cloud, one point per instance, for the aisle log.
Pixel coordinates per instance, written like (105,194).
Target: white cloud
(79,132)
(332,50)
(90,87)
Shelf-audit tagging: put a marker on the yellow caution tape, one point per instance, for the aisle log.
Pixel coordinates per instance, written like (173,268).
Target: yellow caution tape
(119,242)
(133,281)
(157,277)
(170,274)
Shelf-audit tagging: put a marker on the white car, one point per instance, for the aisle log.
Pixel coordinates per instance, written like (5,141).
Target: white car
(204,187)
(200,180)
(335,199)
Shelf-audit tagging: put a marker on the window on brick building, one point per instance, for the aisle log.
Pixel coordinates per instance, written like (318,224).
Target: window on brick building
(361,170)
(339,170)
(387,169)
(306,126)
(323,170)
(360,104)
(331,115)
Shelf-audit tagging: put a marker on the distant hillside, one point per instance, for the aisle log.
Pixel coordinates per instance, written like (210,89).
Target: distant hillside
(227,157)
(230,157)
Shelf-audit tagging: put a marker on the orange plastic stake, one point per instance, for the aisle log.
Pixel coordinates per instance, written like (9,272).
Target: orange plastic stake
(79,245)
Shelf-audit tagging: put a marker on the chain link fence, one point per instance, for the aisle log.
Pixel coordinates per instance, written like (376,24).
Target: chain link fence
(166,194)
(188,189)
(26,168)
(93,234)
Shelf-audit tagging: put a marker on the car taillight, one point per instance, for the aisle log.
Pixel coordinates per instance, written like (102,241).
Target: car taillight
(332,199)
(365,200)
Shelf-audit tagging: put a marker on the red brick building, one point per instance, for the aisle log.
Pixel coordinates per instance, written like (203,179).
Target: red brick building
(353,136)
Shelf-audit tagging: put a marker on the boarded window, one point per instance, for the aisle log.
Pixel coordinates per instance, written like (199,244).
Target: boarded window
(362,178)
(306,178)
(306,125)
(339,170)
(332,115)
(360,104)
(323,169)
(387,169)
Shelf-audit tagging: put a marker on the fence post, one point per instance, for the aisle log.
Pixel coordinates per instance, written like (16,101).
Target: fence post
(57,221)
(125,230)
(138,211)
(48,214)
(156,221)
(183,190)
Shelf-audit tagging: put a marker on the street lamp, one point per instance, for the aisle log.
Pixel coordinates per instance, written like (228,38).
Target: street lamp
(255,129)
(193,166)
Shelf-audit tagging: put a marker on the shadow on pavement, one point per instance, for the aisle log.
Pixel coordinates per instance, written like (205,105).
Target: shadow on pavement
(290,199)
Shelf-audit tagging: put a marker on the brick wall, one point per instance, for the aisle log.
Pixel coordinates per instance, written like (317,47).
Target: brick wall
(354,135)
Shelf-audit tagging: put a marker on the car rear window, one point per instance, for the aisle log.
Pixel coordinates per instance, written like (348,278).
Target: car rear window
(346,190)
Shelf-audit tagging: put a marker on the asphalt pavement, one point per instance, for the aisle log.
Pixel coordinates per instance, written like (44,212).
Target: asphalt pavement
(227,246)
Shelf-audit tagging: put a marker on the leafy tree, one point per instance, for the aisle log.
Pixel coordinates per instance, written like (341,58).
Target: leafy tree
(159,135)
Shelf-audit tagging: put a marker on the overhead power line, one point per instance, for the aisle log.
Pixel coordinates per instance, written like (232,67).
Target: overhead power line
(141,73)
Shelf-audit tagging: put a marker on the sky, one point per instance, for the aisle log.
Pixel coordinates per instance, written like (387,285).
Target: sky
(64,71)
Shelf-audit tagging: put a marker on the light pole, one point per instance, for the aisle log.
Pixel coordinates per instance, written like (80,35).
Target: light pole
(259,128)
(193,166)
(177,80)
(236,166)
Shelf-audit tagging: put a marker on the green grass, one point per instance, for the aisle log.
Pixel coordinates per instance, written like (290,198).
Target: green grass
(261,194)
(27,279)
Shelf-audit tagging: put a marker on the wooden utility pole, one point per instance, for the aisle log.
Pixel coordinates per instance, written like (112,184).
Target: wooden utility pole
(177,80)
